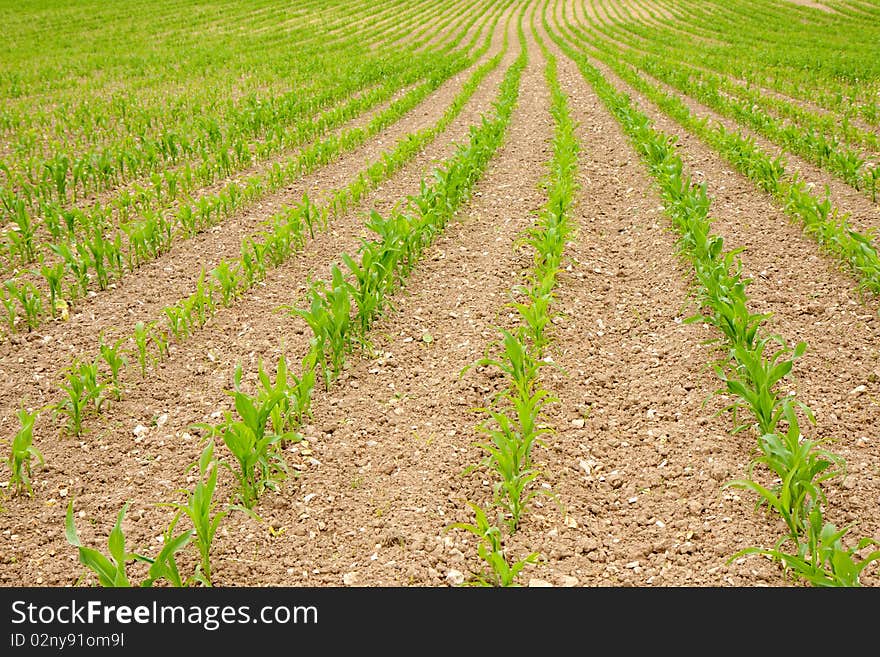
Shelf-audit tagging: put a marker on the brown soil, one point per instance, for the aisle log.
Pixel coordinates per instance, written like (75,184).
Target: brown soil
(637,457)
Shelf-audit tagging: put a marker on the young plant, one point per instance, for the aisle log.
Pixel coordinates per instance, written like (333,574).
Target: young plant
(54,275)
(329,318)
(22,452)
(112,570)
(254,448)
(82,389)
(491,551)
(141,336)
(287,414)
(200,509)
(754,379)
(112,355)
(822,560)
(9,305)
(230,281)
(29,298)
(509,456)
(800,467)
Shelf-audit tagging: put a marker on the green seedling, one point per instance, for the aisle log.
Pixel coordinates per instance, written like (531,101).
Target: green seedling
(10,307)
(288,413)
(230,281)
(29,298)
(116,361)
(508,455)
(23,452)
(53,275)
(800,467)
(112,570)
(822,560)
(329,318)
(141,336)
(82,390)
(201,509)
(536,315)
(755,378)
(261,466)
(491,551)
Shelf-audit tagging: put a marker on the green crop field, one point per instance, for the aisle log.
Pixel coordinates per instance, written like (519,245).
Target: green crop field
(440,293)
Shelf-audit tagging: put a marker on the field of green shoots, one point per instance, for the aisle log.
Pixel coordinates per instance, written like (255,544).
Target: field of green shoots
(440,293)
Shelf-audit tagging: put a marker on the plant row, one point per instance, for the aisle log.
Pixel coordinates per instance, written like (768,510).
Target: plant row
(103,255)
(514,421)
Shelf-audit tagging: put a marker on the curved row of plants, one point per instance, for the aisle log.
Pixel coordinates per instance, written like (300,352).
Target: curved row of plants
(756,42)
(813,139)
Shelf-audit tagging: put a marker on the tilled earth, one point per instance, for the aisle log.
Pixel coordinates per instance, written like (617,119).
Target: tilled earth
(639,452)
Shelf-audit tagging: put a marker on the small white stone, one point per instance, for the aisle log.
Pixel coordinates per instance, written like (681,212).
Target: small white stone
(539,583)
(455,577)
(350,579)
(140,431)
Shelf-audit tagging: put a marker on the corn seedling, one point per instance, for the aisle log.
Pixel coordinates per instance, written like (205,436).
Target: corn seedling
(53,275)
(141,337)
(23,452)
(329,318)
(822,560)
(29,297)
(200,508)
(754,378)
(116,361)
(254,448)
(287,414)
(111,570)
(800,468)
(491,551)
(229,279)
(10,308)
(82,390)
(22,232)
